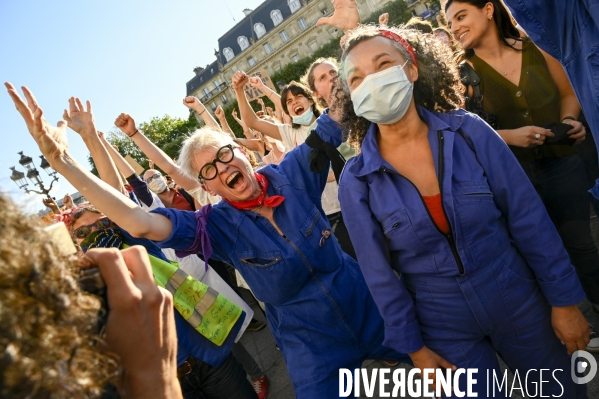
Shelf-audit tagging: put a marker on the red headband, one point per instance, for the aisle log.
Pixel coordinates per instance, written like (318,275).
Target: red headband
(396,38)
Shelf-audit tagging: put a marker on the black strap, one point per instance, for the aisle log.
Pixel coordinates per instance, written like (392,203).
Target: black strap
(188,198)
(321,151)
(474,104)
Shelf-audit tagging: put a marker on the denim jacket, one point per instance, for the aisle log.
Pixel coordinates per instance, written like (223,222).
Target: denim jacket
(569,32)
(492,208)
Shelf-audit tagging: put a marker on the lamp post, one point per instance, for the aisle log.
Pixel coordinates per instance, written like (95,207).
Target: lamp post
(33,175)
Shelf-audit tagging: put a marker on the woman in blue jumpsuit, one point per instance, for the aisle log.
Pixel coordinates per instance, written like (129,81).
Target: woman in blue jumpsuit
(483,272)
(317,303)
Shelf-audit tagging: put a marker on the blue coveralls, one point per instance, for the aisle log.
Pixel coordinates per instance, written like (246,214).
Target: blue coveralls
(318,306)
(489,284)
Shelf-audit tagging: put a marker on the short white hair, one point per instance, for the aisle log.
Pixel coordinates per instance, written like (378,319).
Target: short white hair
(200,139)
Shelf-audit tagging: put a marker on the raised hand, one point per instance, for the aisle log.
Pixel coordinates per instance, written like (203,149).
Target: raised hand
(126,123)
(80,119)
(51,140)
(345,16)
(270,112)
(239,80)
(67,201)
(384,19)
(234,115)
(219,113)
(50,203)
(192,102)
(257,83)
(151,164)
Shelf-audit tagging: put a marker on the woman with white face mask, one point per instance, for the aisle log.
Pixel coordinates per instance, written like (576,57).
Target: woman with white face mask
(437,197)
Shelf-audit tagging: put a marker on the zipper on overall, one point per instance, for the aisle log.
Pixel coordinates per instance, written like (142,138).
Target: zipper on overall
(307,263)
(449,237)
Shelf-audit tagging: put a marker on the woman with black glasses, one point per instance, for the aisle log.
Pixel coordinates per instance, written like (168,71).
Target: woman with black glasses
(270,227)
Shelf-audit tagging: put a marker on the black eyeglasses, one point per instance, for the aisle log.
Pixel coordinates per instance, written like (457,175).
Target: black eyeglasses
(223,155)
(84,231)
(156,176)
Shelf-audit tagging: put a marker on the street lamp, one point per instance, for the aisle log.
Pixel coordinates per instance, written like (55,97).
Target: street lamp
(33,175)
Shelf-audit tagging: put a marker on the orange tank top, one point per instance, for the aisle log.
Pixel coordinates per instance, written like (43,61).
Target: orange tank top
(435,208)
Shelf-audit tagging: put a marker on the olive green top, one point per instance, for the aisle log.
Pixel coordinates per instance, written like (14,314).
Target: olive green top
(535,101)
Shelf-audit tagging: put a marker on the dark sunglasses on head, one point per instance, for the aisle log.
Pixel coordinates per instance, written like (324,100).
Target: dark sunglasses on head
(156,176)
(84,231)
(223,155)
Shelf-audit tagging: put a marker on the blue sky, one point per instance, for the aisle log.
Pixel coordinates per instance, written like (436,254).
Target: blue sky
(123,56)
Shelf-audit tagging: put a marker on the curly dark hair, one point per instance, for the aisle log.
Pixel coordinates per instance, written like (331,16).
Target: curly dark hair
(47,340)
(438,87)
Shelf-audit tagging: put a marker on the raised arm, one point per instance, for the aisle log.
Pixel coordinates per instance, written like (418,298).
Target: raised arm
(127,125)
(246,130)
(193,103)
(81,120)
(220,114)
(247,113)
(52,143)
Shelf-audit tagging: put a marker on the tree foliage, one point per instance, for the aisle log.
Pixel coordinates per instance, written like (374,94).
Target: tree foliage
(166,132)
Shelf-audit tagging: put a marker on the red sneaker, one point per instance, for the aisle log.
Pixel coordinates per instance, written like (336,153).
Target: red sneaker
(261,386)
(390,363)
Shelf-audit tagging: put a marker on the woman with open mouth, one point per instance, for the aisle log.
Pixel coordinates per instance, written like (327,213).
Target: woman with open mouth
(270,226)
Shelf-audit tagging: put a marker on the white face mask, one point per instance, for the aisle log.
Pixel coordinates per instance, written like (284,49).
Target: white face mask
(172,185)
(383,97)
(157,186)
(305,118)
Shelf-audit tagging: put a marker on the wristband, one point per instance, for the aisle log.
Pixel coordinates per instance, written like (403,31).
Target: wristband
(134,133)
(200,114)
(568,117)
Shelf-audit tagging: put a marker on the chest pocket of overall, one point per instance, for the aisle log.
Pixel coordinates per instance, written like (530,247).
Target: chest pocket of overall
(318,232)
(407,249)
(480,220)
(272,280)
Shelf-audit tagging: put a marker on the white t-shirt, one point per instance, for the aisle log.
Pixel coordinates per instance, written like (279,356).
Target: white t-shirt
(203,197)
(291,138)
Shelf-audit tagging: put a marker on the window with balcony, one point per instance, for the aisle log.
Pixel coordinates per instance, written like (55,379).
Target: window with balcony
(284,36)
(251,61)
(267,48)
(224,99)
(294,5)
(276,17)
(206,92)
(229,54)
(302,23)
(216,84)
(243,42)
(213,106)
(259,29)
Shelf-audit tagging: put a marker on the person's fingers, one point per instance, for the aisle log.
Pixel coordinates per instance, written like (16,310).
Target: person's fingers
(66,116)
(23,109)
(79,104)
(115,273)
(31,101)
(324,21)
(89,106)
(444,364)
(138,262)
(72,105)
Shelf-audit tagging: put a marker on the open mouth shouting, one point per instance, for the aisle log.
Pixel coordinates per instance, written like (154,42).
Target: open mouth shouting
(236,181)
(299,110)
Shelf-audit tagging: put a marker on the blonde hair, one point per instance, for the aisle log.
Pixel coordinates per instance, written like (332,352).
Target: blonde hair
(47,341)
(200,139)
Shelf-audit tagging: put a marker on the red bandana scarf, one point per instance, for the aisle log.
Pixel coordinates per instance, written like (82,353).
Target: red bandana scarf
(271,202)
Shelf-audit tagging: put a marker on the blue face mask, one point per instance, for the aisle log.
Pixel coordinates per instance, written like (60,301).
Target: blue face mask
(305,118)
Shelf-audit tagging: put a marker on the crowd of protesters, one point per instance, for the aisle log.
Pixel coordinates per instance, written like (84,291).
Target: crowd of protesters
(423,199)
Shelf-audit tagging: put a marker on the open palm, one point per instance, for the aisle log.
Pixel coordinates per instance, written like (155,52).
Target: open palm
(78,118)
(51,140)
(345,16)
